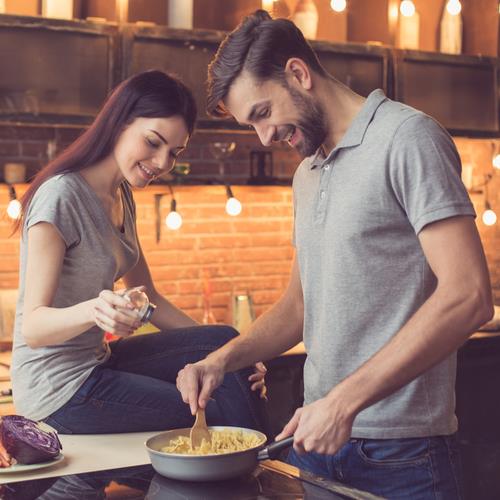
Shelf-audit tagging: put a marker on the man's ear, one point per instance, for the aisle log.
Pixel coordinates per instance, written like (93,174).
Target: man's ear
(298,73)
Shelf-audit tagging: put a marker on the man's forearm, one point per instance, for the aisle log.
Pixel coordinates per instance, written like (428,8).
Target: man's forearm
(274,332)
(436,330)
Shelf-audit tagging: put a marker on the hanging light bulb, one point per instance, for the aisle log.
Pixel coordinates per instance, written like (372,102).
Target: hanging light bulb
(14,207)
(338,5)
(268,5)
(496,161)
(233,205)
(454,7)
(489,216)
(173,219)
(407,8)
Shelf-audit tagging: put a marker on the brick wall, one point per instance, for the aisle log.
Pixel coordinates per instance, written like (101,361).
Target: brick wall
(249,252)
(32,145)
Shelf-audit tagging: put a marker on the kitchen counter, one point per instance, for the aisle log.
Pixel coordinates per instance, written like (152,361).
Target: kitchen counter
(117,466)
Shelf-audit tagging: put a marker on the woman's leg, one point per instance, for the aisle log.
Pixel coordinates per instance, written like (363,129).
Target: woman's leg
(135,390)
(161,355)
(113,401)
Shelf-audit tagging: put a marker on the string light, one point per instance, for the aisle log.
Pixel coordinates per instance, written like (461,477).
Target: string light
(496,161)
(454,7)
(489,216)
(173,219)
(14,207)
(338,5)
(407,8)
(268,5)
(233,205)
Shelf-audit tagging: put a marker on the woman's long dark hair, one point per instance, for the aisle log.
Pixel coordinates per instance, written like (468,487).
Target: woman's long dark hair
(152,94)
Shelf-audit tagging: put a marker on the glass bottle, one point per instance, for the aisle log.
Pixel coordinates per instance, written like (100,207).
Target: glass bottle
(208,315)
(305,18)
(450,40)
(141,303)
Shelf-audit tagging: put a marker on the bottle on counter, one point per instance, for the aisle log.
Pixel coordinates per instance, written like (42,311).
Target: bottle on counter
(208,315)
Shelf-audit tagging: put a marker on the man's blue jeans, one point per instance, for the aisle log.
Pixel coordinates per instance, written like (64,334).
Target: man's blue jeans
(416,469)
(135,389)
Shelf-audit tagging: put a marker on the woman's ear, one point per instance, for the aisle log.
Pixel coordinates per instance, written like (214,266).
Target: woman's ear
(298,72)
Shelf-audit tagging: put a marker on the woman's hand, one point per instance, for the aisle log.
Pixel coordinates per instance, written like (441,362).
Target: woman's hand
(115,314)
(258,378)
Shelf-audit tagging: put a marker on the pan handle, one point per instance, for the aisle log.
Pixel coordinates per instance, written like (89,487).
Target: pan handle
(272,451)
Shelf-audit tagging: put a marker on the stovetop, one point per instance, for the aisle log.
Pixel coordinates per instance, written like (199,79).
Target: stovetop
(270,480)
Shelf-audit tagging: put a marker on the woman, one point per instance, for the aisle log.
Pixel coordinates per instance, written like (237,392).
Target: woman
(78,238)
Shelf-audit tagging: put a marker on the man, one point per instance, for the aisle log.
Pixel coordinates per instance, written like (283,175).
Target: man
(389,278)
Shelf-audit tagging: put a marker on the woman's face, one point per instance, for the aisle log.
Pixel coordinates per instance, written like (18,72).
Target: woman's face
(148,148)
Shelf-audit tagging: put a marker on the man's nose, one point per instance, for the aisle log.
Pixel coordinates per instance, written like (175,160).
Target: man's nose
(265,134)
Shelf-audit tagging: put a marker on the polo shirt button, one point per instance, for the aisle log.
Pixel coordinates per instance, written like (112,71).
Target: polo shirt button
(327,167)
(322,194)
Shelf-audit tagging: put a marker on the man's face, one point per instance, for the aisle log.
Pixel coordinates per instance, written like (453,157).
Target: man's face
(278,112)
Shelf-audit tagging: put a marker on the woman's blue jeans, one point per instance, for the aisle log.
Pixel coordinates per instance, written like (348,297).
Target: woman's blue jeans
(411,469)
(135,389)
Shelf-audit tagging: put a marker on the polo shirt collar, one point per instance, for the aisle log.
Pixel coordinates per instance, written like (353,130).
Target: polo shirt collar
(357,129)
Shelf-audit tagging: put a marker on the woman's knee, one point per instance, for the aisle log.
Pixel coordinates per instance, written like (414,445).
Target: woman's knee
(218,335)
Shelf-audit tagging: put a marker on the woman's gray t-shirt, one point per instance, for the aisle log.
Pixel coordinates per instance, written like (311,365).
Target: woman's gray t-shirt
(97,254)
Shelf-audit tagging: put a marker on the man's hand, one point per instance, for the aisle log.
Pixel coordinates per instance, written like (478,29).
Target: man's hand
(197,381)
(258,379)
(323,427)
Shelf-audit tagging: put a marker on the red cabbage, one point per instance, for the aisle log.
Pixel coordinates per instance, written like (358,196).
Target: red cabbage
(27,442)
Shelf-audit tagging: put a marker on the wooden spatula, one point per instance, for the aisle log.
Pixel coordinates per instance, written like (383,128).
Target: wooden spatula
(199,431)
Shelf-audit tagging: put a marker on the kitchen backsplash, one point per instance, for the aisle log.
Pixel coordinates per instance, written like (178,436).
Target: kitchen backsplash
(250,252)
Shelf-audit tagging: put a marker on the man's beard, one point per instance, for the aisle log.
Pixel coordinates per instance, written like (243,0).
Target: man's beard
(312,123)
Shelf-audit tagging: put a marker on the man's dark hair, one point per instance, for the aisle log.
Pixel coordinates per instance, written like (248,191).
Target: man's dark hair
(260,45)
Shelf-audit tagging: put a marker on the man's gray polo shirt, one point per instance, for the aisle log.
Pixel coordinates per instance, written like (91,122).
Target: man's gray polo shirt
(363,272)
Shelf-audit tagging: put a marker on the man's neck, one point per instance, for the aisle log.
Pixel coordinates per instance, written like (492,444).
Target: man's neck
(341,106)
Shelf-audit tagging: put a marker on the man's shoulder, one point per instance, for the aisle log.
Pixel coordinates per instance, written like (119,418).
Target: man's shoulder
(396,119)
(396,113)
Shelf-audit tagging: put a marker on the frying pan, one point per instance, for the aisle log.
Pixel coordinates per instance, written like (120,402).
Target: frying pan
(213,467)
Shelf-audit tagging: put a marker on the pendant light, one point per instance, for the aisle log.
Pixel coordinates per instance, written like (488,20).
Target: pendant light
(489,217)
(173,220)
(14,207)
(233,205)
(338,5)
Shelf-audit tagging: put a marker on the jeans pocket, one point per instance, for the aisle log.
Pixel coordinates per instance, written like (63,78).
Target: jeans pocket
(394,452)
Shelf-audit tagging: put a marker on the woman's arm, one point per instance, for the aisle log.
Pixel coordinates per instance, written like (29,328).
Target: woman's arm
(166,315)
(45,325)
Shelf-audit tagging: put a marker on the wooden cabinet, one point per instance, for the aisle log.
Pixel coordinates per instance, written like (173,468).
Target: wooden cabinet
(459,91)
(54,71)
(62,71)
(362,68)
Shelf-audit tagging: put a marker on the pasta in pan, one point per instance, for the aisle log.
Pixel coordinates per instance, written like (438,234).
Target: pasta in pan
(225,441)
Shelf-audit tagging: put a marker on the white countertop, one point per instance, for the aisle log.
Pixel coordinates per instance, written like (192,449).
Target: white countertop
(86,453)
